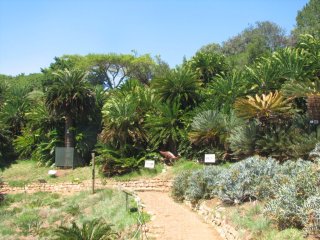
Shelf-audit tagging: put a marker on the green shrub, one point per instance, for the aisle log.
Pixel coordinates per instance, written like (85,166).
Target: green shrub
(28,221)
(242,140)
(285,143)
(96,229)
(112,162)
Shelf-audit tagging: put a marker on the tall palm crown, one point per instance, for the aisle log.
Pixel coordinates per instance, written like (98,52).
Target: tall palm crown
(70,97)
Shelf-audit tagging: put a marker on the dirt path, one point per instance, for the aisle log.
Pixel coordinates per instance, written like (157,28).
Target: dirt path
(174,221)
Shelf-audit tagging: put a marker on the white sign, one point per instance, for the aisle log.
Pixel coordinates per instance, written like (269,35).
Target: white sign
(149,164)
(209,158)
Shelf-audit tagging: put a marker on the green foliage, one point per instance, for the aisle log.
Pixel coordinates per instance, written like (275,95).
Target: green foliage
(285,143)
(207,64)
(45,150)
(308,20)
(123,123)
(165,127)
(253,42)
(38,215)
(70,94)
(28,221)
(226,88)
(96,229)
(114,163)
(180,85)
(302,67)
(242,139)
(265,75)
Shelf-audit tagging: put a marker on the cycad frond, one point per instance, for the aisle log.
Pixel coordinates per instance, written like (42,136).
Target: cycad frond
(270,106)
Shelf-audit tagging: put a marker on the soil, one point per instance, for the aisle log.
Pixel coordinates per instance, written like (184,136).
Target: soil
(174,221)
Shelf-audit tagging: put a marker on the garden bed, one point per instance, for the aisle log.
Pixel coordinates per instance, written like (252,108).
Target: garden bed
(38,214)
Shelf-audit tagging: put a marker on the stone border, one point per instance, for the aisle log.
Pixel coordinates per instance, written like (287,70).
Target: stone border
(159,185)
(214,217)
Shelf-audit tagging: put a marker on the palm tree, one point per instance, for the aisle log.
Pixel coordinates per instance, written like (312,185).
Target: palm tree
(70,97)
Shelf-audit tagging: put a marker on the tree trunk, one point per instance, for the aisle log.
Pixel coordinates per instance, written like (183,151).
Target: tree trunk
(68,132)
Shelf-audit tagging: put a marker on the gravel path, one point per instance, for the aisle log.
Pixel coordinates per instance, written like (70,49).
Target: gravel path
(174,221)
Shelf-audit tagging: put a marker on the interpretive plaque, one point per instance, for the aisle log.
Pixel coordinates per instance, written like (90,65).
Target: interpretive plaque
(149,164)
(209,158)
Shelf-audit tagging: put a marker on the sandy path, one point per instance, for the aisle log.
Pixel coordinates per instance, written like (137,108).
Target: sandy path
(174,221)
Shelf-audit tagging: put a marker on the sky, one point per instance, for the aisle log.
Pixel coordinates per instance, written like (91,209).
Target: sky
(33,32)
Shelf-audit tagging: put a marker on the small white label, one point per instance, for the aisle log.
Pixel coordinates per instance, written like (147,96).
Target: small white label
(209,158)
(149,164)
(52,172)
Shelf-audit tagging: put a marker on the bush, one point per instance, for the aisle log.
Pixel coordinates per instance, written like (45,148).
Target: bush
(296,202)
(112,163)
(202,183)
(96,229)
(247,180)
(180,185)
(311,215)
(291,189)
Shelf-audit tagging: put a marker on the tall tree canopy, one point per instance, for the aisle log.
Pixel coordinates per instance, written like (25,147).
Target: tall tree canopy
(253,42)
(308,19)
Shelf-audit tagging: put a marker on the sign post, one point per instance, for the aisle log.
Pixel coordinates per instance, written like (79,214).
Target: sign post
(93,171)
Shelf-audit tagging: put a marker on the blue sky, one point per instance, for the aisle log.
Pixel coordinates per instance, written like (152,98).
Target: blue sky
(33,32)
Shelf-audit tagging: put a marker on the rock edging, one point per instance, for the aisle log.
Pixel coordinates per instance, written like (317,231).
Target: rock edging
(214,217)
(135,185)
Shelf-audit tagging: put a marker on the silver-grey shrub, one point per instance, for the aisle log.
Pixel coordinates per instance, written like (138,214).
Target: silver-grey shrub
(246,180)
(180,185)
(202,183)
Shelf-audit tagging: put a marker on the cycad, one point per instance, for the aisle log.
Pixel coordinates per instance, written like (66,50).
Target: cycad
(266,74)
(273,106)
(226,88)
(165,126)
(122,122)
(179,85)
(96,229)
(212,128)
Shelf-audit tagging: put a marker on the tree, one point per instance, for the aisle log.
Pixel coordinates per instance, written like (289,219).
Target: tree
(308,19)
(70,97)
(253,42)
